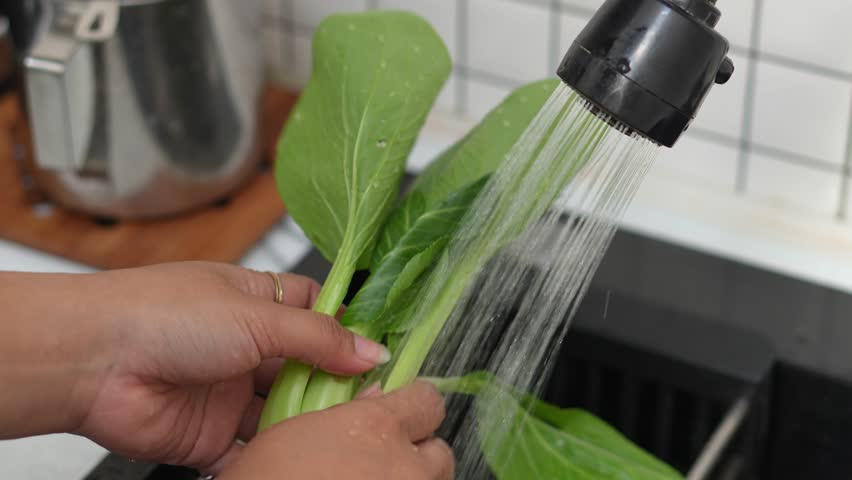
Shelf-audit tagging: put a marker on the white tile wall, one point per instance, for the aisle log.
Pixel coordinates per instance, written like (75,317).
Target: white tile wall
(509,39)
(815,31)
(722,111)
(802,112)
(570,25)
(778,129)
(442,14)
(486,96)
(296,70)
(311,12)
(700,162)
(796,187)
(736,21)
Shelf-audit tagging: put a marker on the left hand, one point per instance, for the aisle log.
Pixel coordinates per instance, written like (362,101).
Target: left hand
(163,363)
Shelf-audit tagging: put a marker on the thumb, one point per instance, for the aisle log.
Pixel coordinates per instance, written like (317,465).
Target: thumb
(280,331)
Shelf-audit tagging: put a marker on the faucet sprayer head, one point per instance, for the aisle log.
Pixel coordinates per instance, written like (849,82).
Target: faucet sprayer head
(649,64)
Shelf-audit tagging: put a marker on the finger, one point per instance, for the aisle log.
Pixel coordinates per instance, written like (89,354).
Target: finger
(313,338)
(264,375)
(438,458)
(230,455)
(419,407)
(373,391)
(299,291)
(248,425)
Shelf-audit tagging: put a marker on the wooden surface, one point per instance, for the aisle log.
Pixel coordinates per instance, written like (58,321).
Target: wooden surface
(217,233)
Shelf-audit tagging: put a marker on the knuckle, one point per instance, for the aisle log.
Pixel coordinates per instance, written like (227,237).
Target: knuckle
(330,330)
(448,457)
(267,344)
(432,397)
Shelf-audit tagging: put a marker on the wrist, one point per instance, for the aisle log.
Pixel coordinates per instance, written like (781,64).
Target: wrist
(52,353)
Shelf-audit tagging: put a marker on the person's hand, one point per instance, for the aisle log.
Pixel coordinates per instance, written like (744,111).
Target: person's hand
(162,363)
(378,437)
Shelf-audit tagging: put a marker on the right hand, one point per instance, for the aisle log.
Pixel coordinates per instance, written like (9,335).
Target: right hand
(374,437)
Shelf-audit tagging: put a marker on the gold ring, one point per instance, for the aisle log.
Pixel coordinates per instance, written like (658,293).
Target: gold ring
(279,290)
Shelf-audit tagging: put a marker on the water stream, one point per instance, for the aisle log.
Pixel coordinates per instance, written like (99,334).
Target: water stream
(532,240)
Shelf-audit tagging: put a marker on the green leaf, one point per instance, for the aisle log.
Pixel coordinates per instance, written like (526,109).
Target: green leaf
(400,268)
(498,223)
(522,437)
(476,155)
(343,152)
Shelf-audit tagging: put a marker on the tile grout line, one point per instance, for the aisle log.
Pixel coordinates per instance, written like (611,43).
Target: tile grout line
(462,79)
(846,176)
(780,155)
(746,145)
(288,52)
(795,64)
(741,184)
(555,35)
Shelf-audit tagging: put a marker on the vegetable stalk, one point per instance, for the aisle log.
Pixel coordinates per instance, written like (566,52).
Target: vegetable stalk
(287,395)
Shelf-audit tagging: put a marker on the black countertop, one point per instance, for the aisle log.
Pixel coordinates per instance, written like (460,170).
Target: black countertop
(809,326)
(684,295)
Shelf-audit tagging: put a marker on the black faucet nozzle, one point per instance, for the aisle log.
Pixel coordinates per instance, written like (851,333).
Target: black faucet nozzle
(649,64)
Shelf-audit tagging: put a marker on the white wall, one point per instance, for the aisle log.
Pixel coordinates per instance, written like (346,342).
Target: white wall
(775,139)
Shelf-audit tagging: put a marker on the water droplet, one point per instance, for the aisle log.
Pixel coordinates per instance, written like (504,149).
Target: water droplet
(384,436)
(382,143)
(353,433)
(524,99)
(298,116)
(415,448)
(351,27)
(507,123)
(381,38)
(392,94)
(416,49)
(501,110)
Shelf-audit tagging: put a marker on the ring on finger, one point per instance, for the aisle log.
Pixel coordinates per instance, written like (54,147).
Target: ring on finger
(279,290)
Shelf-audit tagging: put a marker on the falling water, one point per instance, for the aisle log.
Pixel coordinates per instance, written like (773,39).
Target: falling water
(532,246)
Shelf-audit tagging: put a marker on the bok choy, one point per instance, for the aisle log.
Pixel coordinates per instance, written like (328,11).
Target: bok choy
(340,162)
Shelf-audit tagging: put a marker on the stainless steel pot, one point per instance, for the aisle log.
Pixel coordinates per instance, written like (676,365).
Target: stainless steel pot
(144,108)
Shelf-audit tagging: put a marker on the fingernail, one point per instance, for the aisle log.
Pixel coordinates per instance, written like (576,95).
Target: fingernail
(370,391)
(370,351)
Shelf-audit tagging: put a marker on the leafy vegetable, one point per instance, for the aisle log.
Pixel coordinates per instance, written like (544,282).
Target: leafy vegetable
(523,437)
(342,154)
(505,218)
(465,165)
(474,157)
(412,255)
(340,161)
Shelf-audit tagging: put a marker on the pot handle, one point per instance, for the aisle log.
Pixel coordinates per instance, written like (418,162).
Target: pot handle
(61,84)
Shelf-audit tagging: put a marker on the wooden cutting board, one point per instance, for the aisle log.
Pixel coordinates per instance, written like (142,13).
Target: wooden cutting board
(218,233)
